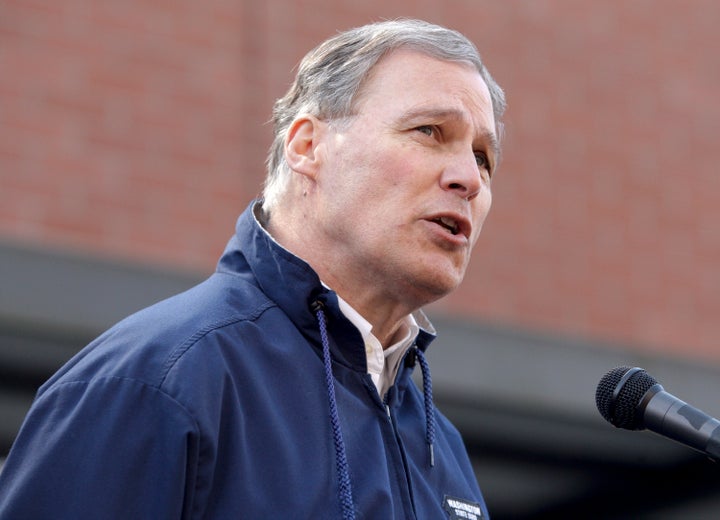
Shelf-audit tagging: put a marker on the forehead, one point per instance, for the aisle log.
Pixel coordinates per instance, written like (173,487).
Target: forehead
(409,81)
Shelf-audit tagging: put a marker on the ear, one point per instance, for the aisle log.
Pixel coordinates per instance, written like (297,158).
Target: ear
(301,145)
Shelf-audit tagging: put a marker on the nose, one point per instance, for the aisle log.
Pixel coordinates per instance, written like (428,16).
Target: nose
(462,176)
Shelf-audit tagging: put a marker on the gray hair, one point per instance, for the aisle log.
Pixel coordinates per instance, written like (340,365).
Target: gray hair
(331,76)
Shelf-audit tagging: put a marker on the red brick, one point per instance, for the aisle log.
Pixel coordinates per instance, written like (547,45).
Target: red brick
(138,130)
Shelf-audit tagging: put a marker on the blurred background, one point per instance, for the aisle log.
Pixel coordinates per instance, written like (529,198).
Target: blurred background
(133,133)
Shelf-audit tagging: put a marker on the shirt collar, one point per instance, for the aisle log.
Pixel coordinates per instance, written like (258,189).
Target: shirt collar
(382,364)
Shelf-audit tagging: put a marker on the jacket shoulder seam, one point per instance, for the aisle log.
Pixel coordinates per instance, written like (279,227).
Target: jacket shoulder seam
(177,353)
(121,379)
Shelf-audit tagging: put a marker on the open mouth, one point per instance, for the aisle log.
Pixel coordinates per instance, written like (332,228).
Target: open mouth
(448,223)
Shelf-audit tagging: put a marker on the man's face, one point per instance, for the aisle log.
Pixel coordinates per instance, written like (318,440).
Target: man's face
(405,184)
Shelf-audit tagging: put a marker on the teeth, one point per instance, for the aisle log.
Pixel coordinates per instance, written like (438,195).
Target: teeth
(450,224)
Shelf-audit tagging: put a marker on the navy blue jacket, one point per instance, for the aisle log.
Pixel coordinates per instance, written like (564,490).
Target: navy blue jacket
(213,404)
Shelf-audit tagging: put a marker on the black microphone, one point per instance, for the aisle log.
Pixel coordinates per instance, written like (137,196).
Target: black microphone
(632,399)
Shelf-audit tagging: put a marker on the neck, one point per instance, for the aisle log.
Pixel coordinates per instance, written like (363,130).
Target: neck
(385,316)
(377,305)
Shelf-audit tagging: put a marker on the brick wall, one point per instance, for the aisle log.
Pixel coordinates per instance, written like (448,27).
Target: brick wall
(122,125)
(137,130)
(606,210)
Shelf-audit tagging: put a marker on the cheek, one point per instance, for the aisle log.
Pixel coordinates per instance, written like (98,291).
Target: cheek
(488,201)
(481,208)
(383,176)
(393,156)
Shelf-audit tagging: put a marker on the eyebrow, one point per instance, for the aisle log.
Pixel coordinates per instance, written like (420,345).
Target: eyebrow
(453,114)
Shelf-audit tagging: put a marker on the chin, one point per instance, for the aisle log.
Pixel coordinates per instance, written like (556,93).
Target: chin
(448,278)
(436,287)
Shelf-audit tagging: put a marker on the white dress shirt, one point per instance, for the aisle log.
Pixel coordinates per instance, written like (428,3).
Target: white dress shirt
(382,364)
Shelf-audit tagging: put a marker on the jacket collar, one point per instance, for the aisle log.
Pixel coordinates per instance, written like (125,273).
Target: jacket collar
(294,286)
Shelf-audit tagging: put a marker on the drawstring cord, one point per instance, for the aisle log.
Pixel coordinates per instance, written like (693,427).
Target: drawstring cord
(429,406)
(341,466)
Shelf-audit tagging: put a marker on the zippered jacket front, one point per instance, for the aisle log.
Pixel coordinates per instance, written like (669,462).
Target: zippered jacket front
(214,404)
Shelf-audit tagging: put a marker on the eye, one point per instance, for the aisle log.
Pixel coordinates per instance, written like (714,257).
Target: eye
(428,130)
(483,162)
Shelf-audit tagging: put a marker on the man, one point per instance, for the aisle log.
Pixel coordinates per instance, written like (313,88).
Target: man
(280,387)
